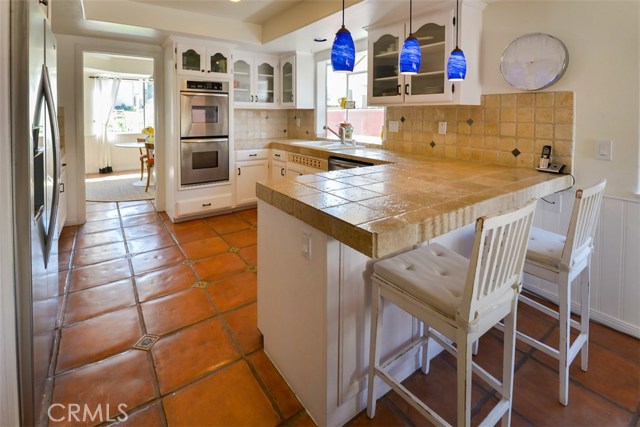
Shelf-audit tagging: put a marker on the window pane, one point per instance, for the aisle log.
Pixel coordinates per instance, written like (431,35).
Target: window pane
(366,121)
(133,109)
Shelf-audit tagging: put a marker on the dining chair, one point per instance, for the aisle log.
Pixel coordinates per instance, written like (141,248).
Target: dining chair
(456,300)
(143,156)
(560,259)
(149,161)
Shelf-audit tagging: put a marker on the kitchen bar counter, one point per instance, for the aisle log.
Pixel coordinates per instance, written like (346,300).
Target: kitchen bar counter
(318,236)
(403,200)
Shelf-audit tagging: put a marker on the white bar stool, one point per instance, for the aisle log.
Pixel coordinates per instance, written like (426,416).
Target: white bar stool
(460,299)
(561,259)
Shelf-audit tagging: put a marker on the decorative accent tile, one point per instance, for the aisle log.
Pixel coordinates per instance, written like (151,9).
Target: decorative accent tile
(200,284)
(234,250)
(187,262)
(146,342)
(129,256)
(402,119)
(515,152)
(252,269)
(470,121)
(432,144)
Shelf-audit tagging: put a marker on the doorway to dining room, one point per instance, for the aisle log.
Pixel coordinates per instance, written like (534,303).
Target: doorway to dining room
(119,123)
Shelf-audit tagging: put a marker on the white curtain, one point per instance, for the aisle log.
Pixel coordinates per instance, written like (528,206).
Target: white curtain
(105,91)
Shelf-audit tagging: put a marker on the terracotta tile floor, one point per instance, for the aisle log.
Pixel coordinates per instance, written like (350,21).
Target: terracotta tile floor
(129,271)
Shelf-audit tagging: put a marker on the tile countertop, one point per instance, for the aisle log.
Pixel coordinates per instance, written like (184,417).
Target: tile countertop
(403,200)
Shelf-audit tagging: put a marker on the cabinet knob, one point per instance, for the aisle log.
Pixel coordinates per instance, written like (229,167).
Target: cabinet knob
(206,205)
(251,98)
(282,171)
(399,86)
(202,71)
(406,89)
(253,155)
(239,171)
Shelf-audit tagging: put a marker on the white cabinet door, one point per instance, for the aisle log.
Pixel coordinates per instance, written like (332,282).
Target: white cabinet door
(297,74)
(255,81)
(247,174)
(278,171)
(217,62)
(436,35)
(200,60)
(191,60)
(386,84)
(431,83)
(294,169)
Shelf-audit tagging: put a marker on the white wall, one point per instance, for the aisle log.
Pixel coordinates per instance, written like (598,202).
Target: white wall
(70,97)
(603,42)
(9,410)
(604,72)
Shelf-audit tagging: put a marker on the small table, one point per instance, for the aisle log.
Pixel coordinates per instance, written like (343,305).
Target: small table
(139,146)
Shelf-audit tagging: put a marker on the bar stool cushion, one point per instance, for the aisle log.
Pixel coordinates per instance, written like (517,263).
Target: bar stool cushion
(545,247)
(433,274)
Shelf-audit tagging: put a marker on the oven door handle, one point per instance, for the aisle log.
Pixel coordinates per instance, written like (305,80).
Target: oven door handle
(204,140)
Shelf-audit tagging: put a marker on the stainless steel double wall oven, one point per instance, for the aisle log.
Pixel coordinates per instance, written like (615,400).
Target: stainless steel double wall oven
(204,132)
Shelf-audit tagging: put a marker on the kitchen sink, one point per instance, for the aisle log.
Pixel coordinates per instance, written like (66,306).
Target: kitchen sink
(332,145)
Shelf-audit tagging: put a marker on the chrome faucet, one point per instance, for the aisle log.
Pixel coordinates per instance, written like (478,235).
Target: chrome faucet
(341,135)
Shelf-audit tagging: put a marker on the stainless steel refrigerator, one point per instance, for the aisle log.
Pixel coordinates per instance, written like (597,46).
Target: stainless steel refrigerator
(36,165)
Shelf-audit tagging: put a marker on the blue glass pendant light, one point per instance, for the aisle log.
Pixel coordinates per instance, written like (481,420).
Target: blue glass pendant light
(411,54)
(343,51)
(457,65)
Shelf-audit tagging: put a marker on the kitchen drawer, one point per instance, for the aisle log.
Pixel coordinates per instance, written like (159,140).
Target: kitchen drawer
(203,205)
(243,155)
(280,155)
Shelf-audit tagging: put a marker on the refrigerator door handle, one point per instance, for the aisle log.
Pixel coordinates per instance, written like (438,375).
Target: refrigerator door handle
(45,94)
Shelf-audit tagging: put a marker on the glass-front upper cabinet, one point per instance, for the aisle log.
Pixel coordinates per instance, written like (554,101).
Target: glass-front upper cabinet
(242,81)
(201,61)
(265,90)
(297,80)
(255,81)
(191,60)
(435,33)
(287,80)
(385,82)
(430,84)
(217,62)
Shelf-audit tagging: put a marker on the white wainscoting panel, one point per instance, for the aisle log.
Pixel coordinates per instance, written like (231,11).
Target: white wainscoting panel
(615,265)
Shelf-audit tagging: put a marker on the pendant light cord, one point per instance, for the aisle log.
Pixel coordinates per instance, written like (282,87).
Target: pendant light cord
(343,15)
(457,23)
(411,17)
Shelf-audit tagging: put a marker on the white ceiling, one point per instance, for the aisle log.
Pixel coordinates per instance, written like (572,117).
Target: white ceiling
(252,11)
(270,25)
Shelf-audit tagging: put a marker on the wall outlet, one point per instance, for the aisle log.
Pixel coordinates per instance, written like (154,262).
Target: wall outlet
(305,245)
(604,150)
(442,128)
(552,203)
(393,126)
(298,121)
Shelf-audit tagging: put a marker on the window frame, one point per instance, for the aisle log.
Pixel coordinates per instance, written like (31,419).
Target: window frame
(322,65)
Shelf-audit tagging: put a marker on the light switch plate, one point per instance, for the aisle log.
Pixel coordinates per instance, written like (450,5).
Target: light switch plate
(604,150)
(442,128)
(298,121)
(393,126)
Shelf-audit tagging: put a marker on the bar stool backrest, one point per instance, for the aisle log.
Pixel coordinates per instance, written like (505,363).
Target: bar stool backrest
(582,227)
(496,262)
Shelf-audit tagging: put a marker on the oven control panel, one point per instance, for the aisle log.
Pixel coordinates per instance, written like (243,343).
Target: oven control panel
(205,86)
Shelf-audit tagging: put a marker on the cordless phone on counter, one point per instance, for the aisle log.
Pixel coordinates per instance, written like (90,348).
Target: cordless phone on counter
(546,165)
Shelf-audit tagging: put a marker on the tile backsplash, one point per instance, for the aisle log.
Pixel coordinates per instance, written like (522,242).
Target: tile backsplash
(254,128)
(507,129)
